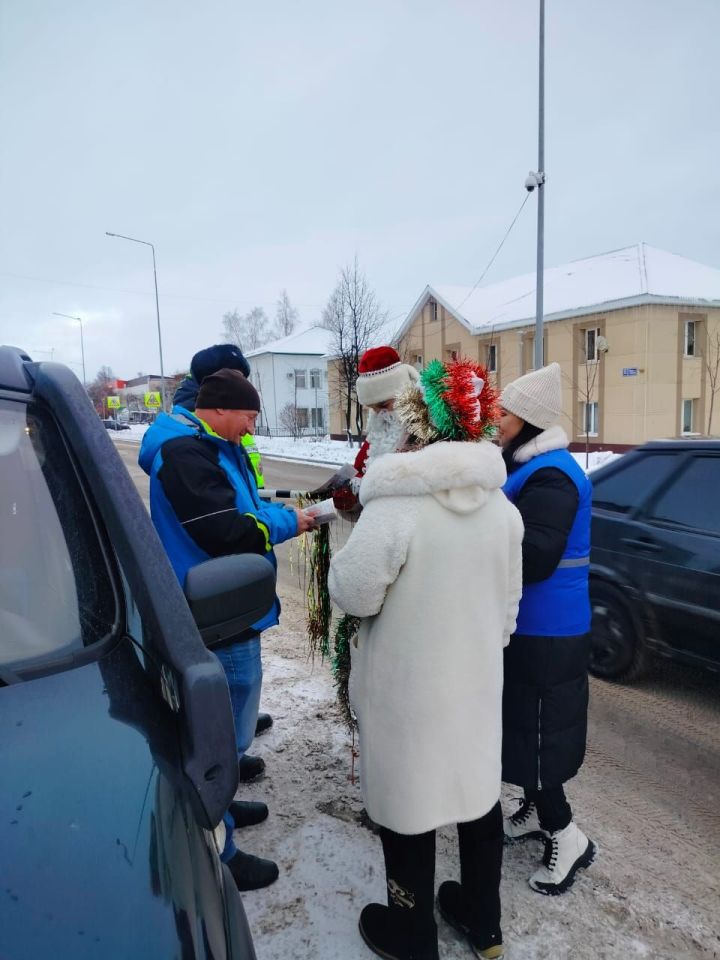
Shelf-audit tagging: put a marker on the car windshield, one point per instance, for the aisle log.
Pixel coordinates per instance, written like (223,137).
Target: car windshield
(55,590)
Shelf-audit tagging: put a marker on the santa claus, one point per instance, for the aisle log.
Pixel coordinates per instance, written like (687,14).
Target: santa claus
(381,377)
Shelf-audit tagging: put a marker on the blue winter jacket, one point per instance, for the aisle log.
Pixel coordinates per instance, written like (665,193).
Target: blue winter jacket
(279,523)
(560,605)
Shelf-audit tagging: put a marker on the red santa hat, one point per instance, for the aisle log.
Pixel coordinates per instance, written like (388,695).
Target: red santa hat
(382,375)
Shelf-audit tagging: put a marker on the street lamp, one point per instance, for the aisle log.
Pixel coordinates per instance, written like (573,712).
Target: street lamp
(146,243)
(82,342)
(536,179)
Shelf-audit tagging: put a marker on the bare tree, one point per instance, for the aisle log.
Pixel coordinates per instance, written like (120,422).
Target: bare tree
(711,359)
(592,349)
(247,331)
(354,317)
(101,388)
(286,317)
(292,420)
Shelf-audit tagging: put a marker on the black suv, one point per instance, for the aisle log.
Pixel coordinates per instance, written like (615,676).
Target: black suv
(117,752)
(655,562)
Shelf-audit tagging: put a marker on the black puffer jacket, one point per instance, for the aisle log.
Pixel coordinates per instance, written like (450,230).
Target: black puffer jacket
(545,696)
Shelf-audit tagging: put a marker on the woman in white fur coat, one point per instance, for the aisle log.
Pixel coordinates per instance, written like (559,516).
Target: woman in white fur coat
(434,569)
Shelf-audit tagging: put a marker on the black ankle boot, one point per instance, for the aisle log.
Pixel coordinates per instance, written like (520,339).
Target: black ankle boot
(454,910)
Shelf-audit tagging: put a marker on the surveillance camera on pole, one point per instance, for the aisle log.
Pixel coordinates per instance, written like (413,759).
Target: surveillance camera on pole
(534,180)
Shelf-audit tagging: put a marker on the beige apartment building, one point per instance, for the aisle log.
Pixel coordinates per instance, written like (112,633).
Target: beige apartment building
(636,332)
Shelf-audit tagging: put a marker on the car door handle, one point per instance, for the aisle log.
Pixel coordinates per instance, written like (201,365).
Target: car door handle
(648,545)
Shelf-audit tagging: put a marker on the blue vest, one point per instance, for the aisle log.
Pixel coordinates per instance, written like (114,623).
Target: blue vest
(560,605)
(183,552)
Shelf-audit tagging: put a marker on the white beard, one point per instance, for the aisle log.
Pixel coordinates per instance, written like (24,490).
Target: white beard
(385,434)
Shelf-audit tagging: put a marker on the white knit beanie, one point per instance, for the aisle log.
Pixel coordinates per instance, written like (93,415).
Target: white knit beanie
(536,398)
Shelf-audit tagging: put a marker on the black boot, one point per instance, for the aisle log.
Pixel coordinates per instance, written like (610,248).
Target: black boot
(405,929)
(252,873)
(472,907)
(264,722)
(250,768)
(246,813)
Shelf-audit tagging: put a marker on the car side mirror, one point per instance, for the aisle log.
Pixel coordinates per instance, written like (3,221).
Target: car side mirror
(227,595)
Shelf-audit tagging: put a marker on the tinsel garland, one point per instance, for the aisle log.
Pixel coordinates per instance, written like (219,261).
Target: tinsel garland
(446,405)
(345,631)
(319,607)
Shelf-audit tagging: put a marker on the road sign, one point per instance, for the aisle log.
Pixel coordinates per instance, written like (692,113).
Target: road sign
(630,371)
(152,401)
(113,403)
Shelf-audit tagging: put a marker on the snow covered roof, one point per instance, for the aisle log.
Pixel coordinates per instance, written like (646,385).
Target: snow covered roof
(609,281)
(314,341)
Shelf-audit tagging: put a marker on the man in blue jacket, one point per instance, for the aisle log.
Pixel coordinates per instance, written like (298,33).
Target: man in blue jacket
(204,503)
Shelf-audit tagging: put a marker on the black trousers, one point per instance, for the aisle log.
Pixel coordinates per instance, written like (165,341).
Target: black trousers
(554,812)
(410,869)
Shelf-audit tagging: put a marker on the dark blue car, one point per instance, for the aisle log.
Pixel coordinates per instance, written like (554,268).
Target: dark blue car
(117,753)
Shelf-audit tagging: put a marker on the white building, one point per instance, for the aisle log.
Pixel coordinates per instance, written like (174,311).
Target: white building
(291,376)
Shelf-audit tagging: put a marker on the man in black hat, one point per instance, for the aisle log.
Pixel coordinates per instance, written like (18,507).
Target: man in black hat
(226,356)
(204,503)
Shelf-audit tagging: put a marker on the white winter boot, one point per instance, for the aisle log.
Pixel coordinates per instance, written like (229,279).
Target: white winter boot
(566,852)
(523,824)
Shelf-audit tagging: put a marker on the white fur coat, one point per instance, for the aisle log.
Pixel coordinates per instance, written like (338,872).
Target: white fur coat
(434,568)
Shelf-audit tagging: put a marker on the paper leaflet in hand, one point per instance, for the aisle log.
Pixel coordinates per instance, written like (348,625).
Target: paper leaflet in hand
(322,512)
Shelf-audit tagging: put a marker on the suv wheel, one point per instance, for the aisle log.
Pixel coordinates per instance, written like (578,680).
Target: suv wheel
(617,651)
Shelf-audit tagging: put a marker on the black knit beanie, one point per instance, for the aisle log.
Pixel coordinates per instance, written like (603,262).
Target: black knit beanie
(221,356)
(227,390)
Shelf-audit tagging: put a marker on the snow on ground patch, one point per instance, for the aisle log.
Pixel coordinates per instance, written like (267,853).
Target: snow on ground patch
(336,452)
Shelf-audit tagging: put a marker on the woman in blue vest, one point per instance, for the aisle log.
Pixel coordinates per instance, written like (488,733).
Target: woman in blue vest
(545,696)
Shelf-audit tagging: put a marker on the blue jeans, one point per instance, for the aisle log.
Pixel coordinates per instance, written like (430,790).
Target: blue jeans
(243,669)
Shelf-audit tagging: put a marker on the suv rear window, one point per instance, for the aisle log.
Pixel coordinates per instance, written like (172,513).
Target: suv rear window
(624,489)
(56,595)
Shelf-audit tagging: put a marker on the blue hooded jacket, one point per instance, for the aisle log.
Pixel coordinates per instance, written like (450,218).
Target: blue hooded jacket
(277,523)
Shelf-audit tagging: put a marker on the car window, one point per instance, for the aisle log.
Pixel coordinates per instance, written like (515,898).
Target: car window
(692,499)
(56,594)
(623,490)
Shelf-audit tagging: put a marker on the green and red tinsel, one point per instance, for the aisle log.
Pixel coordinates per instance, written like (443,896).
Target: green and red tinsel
(454,401)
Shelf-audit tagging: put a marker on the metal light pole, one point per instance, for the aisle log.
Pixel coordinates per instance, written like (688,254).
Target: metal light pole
(82,342)
(146,243)
(539,359)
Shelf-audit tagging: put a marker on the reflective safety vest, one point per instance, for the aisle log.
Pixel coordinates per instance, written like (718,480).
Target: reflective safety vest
(248,441)
(560,605)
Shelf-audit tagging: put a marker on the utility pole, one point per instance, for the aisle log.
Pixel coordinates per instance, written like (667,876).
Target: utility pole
(539,359)
(69,316)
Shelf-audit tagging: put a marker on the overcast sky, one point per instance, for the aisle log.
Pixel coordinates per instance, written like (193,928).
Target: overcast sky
(260,146)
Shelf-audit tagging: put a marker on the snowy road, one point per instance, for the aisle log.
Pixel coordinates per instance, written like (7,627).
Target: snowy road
(648,793)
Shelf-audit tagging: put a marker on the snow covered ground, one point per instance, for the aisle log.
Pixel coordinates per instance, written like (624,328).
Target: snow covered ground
(321,450)
(652,892)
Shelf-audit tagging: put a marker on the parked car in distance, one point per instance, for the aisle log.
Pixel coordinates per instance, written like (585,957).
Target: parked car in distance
(118,751)
(115,424)
(655,559)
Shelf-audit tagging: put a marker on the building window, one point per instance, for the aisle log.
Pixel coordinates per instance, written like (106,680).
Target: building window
(418,361)
(433,310)
(591,344)
(315,380)
(690,338)
(491,358)
(688,416)
(589,419)
(317,418)
(302,417)
(301,379)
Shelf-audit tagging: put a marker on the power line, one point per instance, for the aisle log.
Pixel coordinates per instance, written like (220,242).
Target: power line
(494,256)
(149,293)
